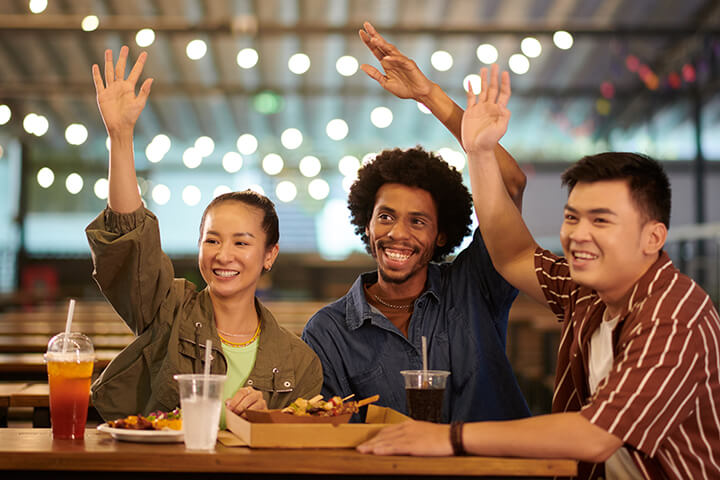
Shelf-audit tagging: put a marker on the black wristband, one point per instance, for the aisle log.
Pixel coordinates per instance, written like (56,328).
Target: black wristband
(456,440)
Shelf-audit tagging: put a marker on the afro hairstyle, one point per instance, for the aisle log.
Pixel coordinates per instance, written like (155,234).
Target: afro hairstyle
(414,167)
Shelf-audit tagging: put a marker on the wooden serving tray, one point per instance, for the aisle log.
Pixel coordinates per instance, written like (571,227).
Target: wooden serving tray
(278,416)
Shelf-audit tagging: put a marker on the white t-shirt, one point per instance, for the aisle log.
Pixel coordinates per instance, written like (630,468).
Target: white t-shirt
(620,466)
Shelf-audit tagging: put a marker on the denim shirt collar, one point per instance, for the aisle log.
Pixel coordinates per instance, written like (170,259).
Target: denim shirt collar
(357,308)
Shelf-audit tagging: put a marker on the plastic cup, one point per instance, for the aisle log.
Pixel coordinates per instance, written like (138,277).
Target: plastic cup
(69,358)
(201,402)
(424,391)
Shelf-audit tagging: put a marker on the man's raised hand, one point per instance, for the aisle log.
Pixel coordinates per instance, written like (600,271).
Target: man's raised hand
(402,76)
(119,106)
(486,118)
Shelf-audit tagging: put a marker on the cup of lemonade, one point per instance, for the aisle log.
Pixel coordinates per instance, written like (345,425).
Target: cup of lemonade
(69,358)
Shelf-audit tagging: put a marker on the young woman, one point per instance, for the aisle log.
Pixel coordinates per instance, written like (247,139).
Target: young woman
(266,365)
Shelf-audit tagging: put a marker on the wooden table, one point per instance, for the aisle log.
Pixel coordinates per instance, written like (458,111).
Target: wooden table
(33,450)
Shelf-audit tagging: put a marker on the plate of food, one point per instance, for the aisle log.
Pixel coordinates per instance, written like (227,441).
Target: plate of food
(315,410)
(157,427)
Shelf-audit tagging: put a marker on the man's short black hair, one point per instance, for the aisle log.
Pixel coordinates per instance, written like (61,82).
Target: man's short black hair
(414,167)
(648,182)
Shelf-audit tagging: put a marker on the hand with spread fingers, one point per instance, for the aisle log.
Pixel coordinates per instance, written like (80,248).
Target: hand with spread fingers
(410,438)
(402,76)
(486,118)
(119,106)
(246,398)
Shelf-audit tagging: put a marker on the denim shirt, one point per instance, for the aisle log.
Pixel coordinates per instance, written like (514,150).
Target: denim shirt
(463,312)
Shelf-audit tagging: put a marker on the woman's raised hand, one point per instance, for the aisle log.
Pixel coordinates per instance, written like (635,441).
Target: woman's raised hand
(486,118)
(119,106)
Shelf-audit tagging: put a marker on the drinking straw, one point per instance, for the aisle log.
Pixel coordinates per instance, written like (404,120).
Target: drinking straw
(206,373)
(68,323)
(424,358)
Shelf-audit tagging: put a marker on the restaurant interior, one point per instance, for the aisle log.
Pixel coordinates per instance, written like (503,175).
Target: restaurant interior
(269,95)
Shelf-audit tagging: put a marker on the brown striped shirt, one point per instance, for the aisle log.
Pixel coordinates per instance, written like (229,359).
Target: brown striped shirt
(662,395)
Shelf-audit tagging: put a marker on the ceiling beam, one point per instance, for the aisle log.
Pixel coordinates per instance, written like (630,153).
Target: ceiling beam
(14,23)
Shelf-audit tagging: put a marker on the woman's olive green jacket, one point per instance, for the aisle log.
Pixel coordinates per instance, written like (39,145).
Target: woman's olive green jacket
(172,321)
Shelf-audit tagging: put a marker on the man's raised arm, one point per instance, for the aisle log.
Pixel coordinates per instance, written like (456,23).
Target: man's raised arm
(506,236)
(404,79)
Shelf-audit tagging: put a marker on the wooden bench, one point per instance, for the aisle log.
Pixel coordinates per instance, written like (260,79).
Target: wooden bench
(34,343)
(32,367)
(7,390)
(37,396)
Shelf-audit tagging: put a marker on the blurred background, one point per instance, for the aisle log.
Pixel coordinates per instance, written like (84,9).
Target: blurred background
(268,95)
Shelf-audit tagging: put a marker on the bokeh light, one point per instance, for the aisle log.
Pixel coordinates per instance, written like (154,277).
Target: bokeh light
(487,53)
(286,191)
(291,138)
(74,183)
(272,164)
(191,195)
(381,117)
(346,65)
(299,63)
(337,129)
(90,23)
(563,40)
(318,189)
(309,166)
(441,60)
(101,188)
(519,63)
(247,58)
(145,37)
(196,49)
(247,144)
(232,162)
(45,177)
(160,194)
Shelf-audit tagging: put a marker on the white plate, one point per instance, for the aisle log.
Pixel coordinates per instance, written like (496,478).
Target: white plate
(143,436)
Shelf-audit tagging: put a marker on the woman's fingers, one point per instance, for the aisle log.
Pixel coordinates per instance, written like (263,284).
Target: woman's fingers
(109,70)
(137,68)
(122,61)
(97,79)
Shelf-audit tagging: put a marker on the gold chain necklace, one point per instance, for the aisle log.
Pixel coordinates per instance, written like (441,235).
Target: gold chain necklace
(390,305)
(243,344)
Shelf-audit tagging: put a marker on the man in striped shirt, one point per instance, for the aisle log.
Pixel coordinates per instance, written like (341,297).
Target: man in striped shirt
(637,390)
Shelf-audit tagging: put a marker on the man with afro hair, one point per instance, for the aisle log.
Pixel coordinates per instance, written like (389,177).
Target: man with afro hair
(412,209)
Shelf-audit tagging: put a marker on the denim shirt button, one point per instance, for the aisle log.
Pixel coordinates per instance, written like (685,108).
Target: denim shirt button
(250,381)
(287,384)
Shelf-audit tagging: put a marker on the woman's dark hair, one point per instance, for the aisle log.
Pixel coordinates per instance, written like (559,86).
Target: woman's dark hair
(251,198)
(414,167)
(647,180)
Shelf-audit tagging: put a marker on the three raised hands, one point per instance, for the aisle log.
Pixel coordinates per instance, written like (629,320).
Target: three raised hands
(119,105)
(486,117)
